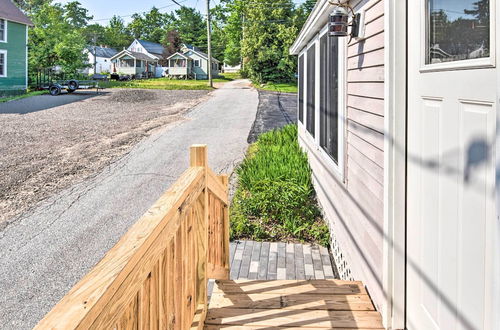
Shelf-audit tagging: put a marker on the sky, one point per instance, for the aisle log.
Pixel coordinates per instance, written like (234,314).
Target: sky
(103,10)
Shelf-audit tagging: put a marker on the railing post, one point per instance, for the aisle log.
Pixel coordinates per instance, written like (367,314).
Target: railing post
(198,157)
(225,182)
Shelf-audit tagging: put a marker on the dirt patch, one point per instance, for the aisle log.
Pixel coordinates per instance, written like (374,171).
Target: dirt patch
(133,96)
(45,151)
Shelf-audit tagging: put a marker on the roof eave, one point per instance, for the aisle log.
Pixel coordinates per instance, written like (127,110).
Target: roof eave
(317,19)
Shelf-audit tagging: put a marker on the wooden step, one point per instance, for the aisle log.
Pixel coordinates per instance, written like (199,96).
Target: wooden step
(291,304)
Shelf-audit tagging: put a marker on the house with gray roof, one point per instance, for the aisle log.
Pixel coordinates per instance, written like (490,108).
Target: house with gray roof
(149,48)
(99,59)
(191,63)
(140,58)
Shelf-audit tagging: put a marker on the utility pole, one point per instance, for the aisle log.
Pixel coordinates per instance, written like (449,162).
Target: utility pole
(209,43)
(94,39)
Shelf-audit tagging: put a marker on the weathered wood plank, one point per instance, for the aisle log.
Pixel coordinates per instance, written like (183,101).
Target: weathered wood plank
(281,269)
(254,262)
(244,327)
(308,263)
(238,257)
(299,262)
(247,258)
(263,261)
(290,262)
(327,262)
(293,302)
(278,317)
(318,266)
(291,287)
(272,268)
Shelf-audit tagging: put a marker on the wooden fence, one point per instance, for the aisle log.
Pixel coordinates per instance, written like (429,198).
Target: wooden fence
(156,276)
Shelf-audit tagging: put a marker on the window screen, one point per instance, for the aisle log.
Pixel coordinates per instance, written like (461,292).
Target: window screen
(301,88)
(2,30)
(311,83)
(329,96)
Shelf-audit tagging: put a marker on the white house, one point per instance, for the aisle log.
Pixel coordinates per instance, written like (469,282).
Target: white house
(141,57)
(231,68)
(190,62)
(401,130)
(99,58)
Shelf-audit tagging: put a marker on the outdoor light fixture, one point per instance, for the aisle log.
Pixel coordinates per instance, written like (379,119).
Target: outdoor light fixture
(338,25)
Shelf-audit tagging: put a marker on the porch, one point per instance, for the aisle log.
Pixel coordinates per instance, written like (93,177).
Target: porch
(156,276)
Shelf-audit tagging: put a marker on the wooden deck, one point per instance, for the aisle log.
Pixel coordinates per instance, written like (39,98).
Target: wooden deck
(289,304)
(287,286)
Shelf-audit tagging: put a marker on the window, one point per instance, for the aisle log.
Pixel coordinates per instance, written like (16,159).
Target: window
(196,63)
(329,100)
(301,88)
(311,86)
(3,30)
(457,30)
(3,63)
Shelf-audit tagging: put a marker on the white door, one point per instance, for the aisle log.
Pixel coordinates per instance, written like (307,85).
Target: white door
(452,229)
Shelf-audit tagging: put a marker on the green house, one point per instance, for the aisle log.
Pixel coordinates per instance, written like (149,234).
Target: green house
(13,49)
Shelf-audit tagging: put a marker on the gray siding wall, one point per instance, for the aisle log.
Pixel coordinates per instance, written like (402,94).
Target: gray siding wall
(354,206)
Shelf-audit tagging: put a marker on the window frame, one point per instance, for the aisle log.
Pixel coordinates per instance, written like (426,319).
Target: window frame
(311,128)
(6,29)
(485,62)
(4,53)
(196,63)
(336,168)
(300,84)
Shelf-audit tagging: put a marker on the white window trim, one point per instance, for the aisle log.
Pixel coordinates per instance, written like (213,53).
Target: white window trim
(4,75)
(337,168)
(486,62)
(6,30)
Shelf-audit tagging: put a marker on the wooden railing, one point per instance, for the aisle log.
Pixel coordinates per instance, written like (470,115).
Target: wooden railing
(156,276)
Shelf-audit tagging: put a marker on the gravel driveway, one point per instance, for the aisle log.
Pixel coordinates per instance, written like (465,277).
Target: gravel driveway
(48,143)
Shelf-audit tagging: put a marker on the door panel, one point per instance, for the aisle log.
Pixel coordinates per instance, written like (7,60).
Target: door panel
(451,217)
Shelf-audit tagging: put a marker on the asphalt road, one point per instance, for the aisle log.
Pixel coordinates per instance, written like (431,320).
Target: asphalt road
(46,252)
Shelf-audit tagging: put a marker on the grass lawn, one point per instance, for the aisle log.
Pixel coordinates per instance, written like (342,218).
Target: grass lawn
(22,96)
(280,87)
(168,84)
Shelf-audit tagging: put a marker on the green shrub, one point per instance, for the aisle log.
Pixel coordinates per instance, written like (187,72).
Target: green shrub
(275,199)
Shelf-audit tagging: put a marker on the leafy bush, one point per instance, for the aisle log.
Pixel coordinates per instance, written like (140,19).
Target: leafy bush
(275,199)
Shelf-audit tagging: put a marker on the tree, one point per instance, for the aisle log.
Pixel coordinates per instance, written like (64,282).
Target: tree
(75,15)
(95,34)
(191,27)
(233,31)
(55,41)
(150,26)
(31,6)
(219,40)
(116,34)
(268,34)
(172,44)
